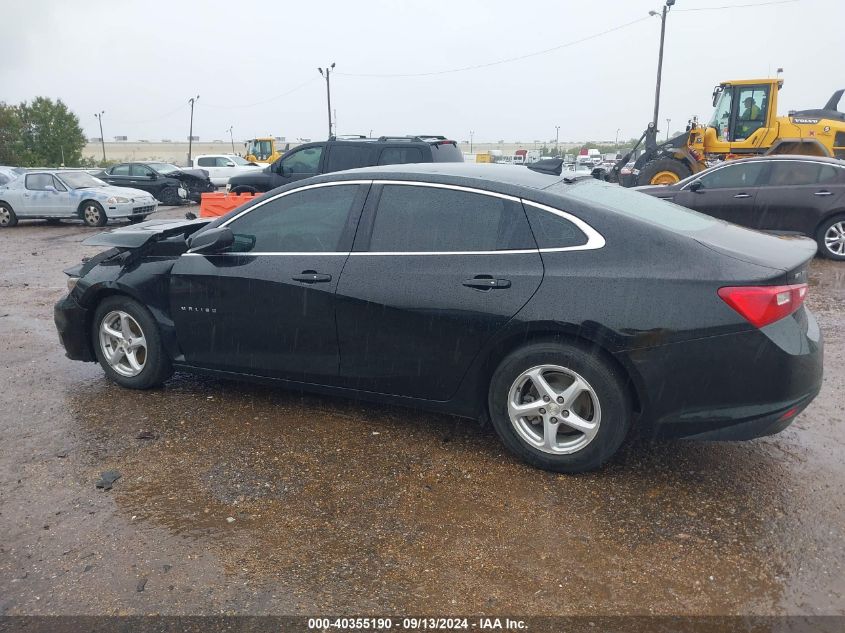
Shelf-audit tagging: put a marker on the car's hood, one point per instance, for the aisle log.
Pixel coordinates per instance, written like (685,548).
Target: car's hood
(123,192)
(137,235)
(187,175)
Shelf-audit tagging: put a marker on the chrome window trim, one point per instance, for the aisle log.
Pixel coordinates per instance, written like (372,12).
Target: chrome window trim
(771,161)
(595,240)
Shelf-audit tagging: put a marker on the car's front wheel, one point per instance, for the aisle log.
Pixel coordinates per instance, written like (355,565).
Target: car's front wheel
(8,218)
(93,214)
(559,406)
(169,196)
(831,238)
(128,345)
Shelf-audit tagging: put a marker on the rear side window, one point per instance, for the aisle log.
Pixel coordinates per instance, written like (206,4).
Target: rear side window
(446,153)
(552,230)
(120,170)
(400,156)
(635,204)
(207,161)
(341,157)
(418,219)
(39,182)
(4,179)
(795,173)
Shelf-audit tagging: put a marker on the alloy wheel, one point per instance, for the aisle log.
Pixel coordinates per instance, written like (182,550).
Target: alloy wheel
(5,216)
(554,409)
(123,343)
(834,238)
(91,215)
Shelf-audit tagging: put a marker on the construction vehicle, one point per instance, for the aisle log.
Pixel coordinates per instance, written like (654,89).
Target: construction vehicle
(263,150)
(744,123)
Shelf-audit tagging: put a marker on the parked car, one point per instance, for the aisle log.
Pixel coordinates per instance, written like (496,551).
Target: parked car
(222,167)
(170,184)
(312,159)
(563,310)
(62,194)
(797,194)
(8,174)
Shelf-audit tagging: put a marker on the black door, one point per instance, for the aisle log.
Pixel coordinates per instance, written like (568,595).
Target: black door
(435,272)
(118,175)
(798,194)
(143,178)
(266,306)
(727,192)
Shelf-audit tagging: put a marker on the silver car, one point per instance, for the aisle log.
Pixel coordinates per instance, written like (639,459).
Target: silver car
(60,194)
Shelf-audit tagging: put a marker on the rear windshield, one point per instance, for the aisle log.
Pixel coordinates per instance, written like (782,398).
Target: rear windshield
(446,153)
(634,204)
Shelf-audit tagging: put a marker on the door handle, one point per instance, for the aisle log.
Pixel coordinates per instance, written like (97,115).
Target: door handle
(486,282)
(823,193)
(742,195)
(312,277)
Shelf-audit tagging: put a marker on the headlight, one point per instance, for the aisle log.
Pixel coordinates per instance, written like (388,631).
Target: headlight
(117,200)
(71,283)
(182,193)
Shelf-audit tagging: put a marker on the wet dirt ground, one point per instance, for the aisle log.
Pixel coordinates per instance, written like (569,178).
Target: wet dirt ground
(249,499)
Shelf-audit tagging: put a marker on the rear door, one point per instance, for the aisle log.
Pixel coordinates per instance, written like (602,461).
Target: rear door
(798,194)
(435,272)
(267,305)
(118,175)
(728,192)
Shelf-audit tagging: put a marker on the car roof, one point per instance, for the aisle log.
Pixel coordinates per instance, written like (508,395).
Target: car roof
(513,175)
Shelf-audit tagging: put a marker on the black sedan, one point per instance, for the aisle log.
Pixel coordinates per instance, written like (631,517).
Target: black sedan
(798,194)
(170,184)
(564,311)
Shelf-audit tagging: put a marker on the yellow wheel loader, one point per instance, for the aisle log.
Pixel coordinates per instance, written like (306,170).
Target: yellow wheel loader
(263,150)
(744,123)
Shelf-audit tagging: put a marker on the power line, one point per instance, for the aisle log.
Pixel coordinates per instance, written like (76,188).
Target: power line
(250,105)
(501,61)
(736,6)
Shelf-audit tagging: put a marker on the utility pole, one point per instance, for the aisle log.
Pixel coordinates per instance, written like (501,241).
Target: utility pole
(232,138)
(557,139)
(328,93)
(668,123)
(616,142)
(192,101)
(471,133)
(99,116)
(669,3)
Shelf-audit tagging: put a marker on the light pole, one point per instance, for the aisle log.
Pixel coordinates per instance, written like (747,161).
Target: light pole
(192,101)
(669,3)
(668,123)
(557,139)
(99,116)
(471,133)
(328,93)
(231,138)
(616,142)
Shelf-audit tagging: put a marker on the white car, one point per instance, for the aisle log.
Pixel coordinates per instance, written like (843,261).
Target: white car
(221,167)
(61,194)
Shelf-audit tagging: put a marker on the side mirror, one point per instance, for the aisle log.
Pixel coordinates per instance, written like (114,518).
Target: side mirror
(696,185)
(50,188)
(283,171)
(153,176)
(211,241)
(230,164)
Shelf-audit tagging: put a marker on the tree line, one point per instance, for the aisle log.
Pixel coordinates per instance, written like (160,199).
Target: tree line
(42,133)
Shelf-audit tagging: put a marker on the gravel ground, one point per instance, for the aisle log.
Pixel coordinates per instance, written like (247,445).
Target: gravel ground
(248,499)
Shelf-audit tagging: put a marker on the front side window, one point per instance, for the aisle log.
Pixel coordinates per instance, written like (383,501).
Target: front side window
(140,171)
(400,156)
(733,176)
(58,184)
(39,182)
(419,219)
(796,173)
(222,161)
(120,170)
(310,221)
(303,161)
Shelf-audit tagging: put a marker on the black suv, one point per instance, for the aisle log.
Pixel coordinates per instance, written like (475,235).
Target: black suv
(338,154)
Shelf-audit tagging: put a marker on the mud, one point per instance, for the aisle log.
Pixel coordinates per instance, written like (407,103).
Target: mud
(236,498)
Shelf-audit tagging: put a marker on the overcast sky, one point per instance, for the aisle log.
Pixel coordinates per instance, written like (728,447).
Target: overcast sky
(140,61)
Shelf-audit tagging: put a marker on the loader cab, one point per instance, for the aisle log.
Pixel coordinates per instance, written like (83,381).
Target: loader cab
(742,108)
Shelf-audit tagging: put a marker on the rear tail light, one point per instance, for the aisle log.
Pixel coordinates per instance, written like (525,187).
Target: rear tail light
(762,305)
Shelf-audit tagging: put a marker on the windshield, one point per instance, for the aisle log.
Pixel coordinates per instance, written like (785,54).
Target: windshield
(638,205)
(722,113)
(80,180)
(163,168)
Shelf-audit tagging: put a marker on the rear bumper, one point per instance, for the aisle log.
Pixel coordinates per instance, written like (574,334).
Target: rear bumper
(71,322)
(731,387)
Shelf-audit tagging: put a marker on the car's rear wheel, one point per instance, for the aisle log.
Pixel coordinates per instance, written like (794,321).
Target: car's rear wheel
(831,238)
(93,213)
(128,345)
(8,218)
(559,406)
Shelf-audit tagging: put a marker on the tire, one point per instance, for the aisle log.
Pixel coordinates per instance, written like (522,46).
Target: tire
(663,171)
(831,238)
(92,213)
(8,219)
(169,196)
(243,189)
(604,406)
(116,352)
